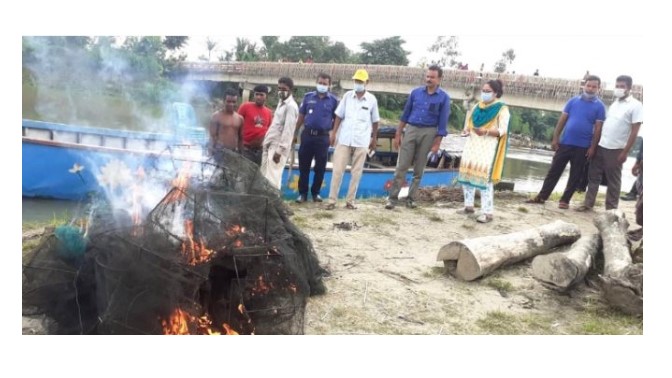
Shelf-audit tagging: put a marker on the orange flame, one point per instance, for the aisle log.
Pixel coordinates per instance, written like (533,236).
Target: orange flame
(260,286)
(229,330)
(194,252)
(177,323)
(180,182)
(233,232)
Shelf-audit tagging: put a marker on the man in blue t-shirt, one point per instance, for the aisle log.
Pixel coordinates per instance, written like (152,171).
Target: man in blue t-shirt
(581,120)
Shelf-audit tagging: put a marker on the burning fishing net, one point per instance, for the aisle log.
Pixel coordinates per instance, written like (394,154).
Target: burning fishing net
(216,255)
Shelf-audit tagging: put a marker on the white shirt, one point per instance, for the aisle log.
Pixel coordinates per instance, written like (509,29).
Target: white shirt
(281,132)
(358,116)
(620,117)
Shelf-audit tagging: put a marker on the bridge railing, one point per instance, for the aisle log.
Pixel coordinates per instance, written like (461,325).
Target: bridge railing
(524,85)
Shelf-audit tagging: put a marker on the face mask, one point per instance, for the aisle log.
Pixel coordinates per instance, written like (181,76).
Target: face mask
(283,94)
(486,97)
(359,87)
(588,96)
(321,88)
(619,92)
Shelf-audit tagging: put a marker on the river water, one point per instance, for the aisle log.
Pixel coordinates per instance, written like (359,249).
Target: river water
(524,167)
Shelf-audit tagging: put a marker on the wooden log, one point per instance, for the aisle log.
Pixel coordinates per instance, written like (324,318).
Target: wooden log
(472,258)
(622,282)
(562,270)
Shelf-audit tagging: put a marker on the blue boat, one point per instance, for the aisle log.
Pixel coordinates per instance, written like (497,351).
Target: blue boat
(70,162)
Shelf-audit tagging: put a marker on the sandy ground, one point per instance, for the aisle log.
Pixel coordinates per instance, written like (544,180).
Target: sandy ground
(385,278)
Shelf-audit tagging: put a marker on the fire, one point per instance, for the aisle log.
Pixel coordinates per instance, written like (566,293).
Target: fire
(229,330)
(178,324)
(260,286)
(195,252)
(180,182)
(234,232)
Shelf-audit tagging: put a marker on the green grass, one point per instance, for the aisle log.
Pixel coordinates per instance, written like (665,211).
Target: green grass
(502,323)
(598,319)
(323,215)
(500,285)
(378,219)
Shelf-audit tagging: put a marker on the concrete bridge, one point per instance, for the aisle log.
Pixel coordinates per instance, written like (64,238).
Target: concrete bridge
(519,90)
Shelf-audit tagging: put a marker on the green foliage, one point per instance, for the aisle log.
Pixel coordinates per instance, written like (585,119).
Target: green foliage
(384,51)
(447,47)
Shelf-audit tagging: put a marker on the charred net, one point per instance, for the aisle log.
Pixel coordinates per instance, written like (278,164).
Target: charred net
(217,255)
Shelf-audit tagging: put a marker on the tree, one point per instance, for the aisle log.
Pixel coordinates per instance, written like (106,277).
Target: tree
(210,44)
(174,43)
(246,51)
(507,58)
(336,53)
(301,47)
(447,47)
(384,51)
(269,50)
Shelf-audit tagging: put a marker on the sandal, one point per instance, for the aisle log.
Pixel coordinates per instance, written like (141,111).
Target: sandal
(563,205)
(350,206)
(330,206)
(484,218)
(535,200)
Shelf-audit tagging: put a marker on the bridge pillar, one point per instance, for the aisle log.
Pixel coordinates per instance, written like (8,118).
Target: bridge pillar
(246,95)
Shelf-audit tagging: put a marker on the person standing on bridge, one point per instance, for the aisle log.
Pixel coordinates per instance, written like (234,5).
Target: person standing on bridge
(358,114)
(280,134)
(581,120)
(484,152)
(226,127)
(257,117)
(426,114)
(624,118)
(316,114)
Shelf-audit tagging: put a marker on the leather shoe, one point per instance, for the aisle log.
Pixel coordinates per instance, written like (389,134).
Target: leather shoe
(629,197)
(317,198)
(302,198)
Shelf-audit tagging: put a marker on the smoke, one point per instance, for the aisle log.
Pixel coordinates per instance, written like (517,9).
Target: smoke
(102,82)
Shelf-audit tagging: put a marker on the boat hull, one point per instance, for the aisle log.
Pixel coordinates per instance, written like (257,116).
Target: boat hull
(69,169)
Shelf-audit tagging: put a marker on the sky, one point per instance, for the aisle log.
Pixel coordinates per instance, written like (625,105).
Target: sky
(568,56)
(561,39)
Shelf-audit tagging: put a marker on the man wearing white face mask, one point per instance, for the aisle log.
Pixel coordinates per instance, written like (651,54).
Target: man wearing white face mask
(280,134)
(357,118)
(624,118)
(317,115)
(579,125)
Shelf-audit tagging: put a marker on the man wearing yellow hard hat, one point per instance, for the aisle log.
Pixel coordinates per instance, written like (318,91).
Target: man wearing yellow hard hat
(354,133)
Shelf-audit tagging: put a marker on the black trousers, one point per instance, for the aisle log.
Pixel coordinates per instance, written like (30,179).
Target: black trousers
(576,157)
(312,147)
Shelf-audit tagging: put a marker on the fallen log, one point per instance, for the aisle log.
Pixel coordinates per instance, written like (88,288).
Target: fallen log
(472,258)
(562,270)
(622,282)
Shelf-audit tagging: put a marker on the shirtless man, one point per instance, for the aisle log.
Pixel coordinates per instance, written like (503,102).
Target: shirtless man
(226,126)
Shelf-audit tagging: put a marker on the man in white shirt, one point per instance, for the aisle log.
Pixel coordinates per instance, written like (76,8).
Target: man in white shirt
(357,113)
(278,139)
(616,136)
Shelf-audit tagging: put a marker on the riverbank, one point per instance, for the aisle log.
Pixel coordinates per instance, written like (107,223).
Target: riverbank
(384,277)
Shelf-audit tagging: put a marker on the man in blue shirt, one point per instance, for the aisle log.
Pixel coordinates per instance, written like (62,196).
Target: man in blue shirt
(582,120)
(317,115)
(426,115)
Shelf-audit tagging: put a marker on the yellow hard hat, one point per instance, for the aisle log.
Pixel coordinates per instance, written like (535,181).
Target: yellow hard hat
(361,74)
